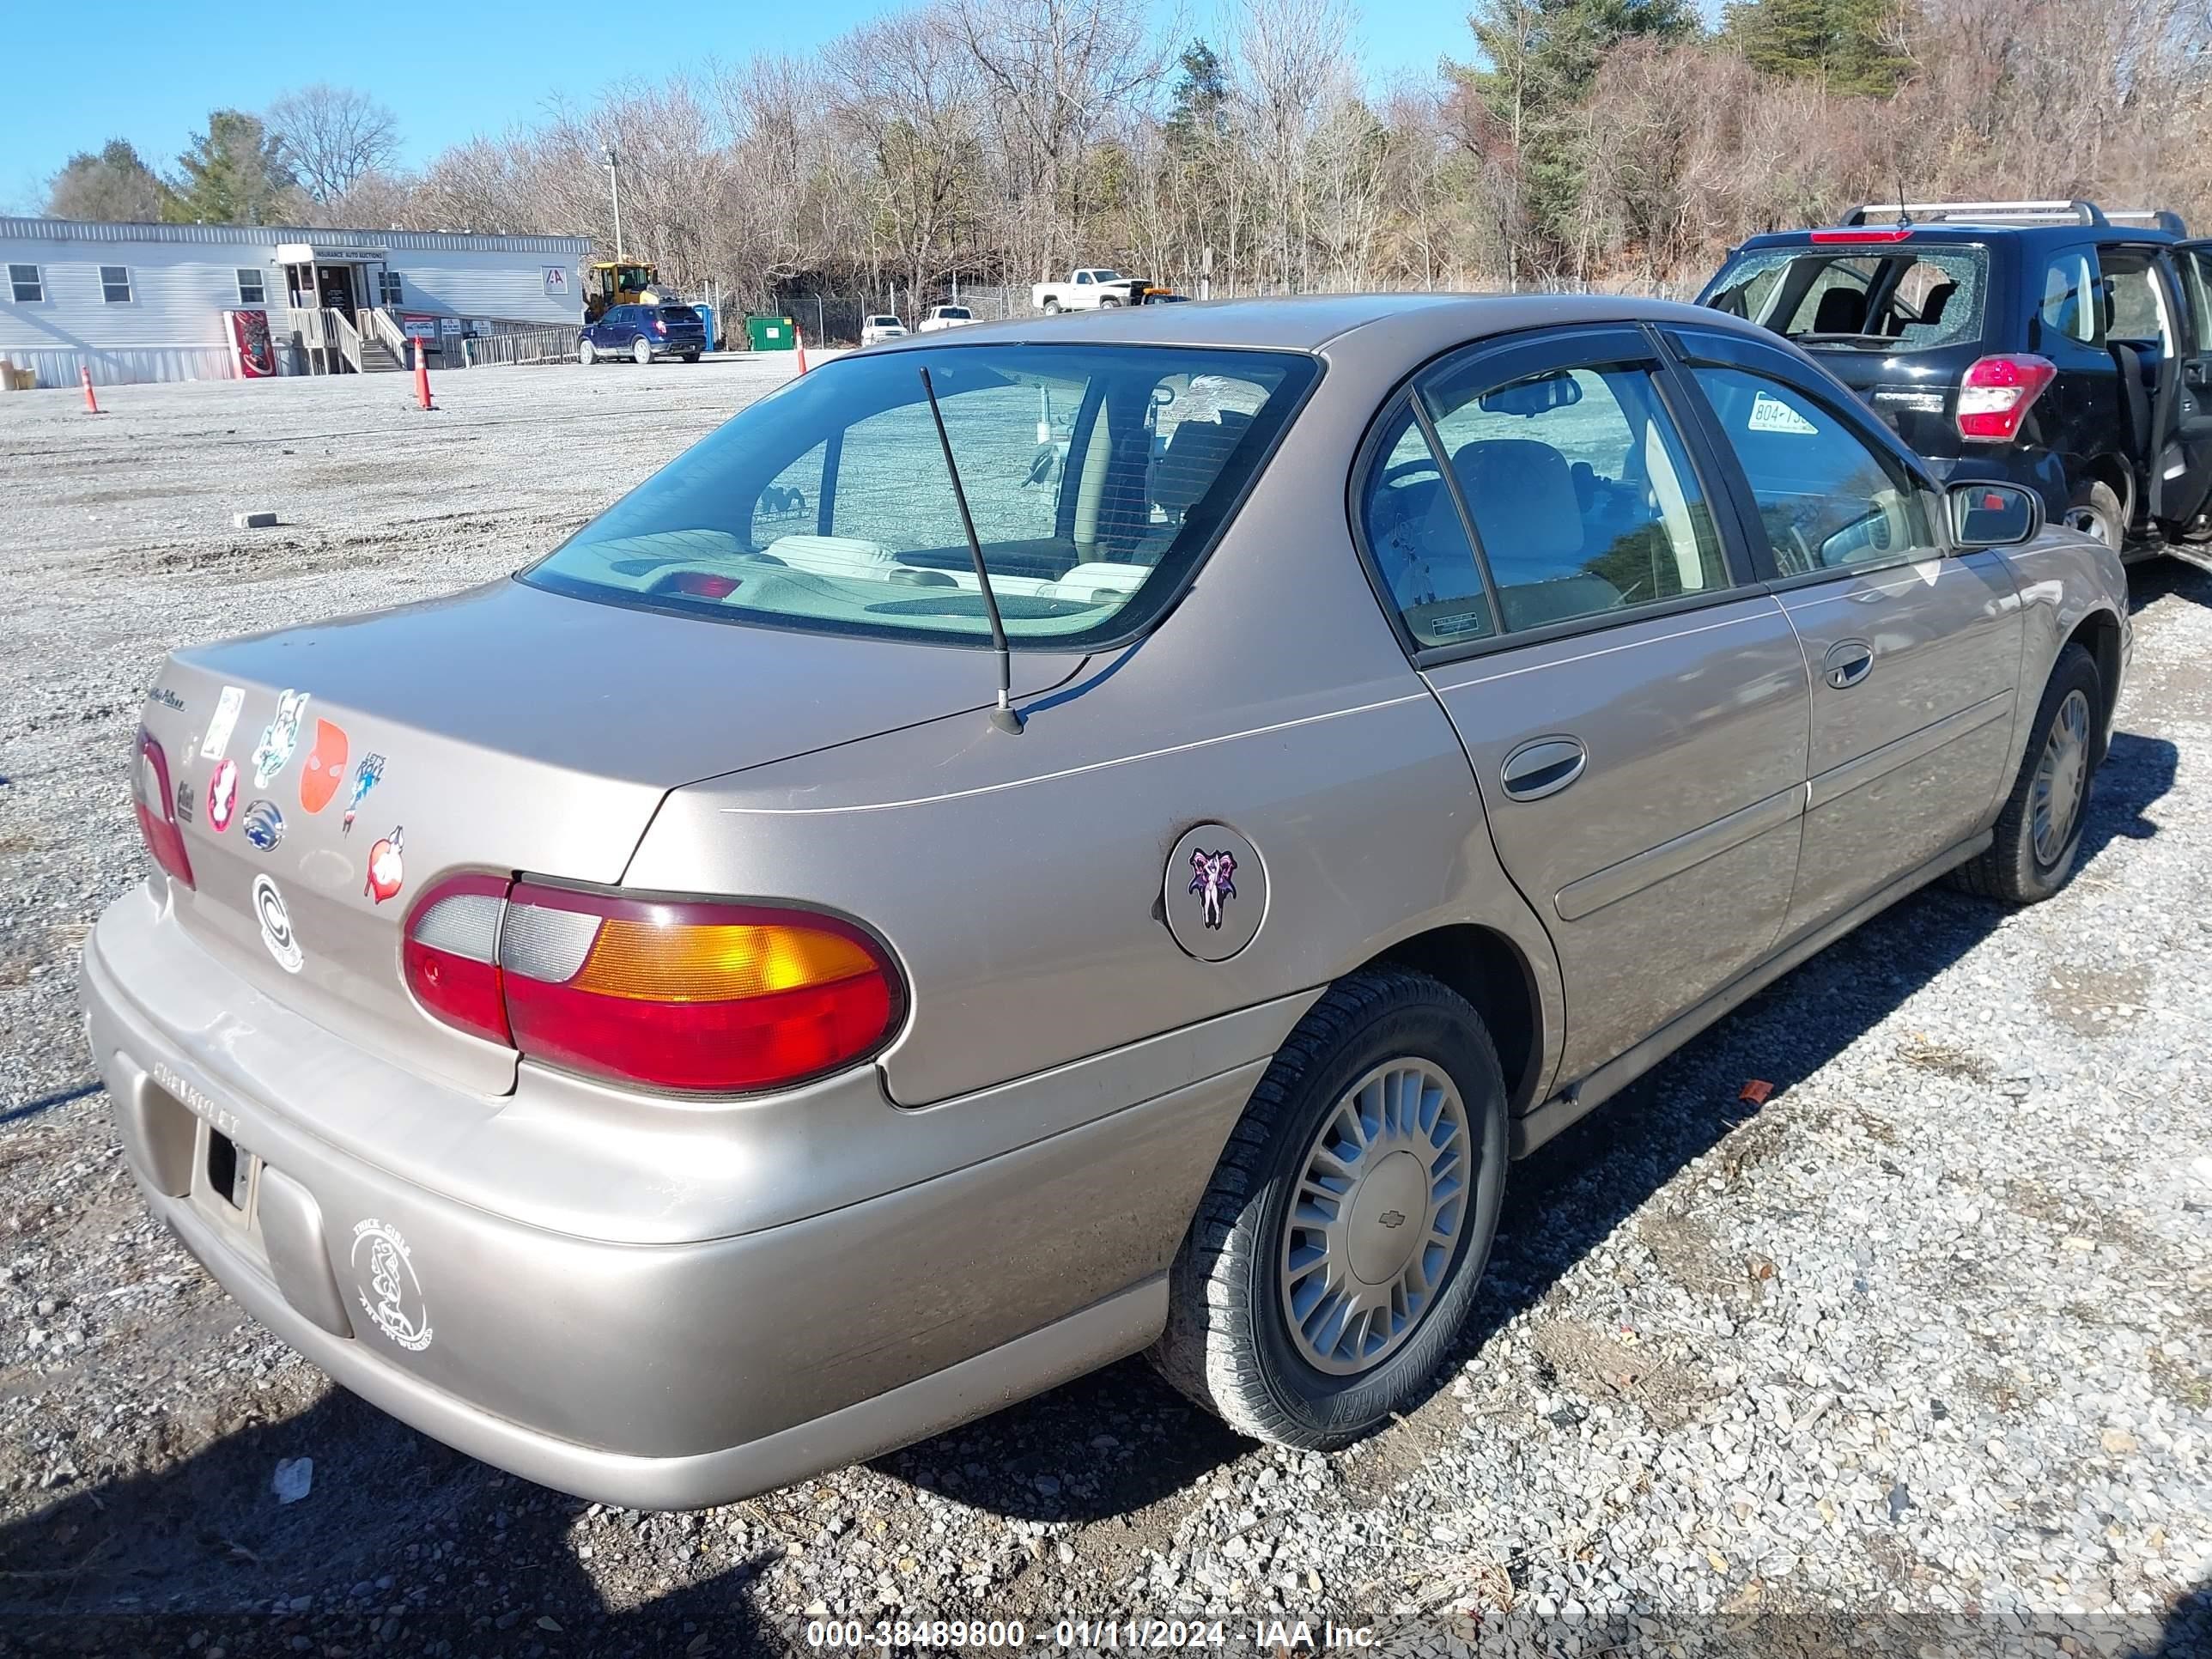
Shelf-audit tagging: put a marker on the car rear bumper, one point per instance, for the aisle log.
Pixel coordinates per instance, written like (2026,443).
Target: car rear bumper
(643,1373)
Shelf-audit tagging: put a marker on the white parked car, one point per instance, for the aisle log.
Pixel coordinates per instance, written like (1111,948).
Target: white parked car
(874,330)
(944,317)
(1089,287)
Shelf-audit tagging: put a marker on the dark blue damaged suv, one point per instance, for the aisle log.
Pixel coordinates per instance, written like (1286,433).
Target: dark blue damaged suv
(642,332)
(2049,344)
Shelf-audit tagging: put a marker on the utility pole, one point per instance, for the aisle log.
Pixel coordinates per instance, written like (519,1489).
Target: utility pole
(614,189)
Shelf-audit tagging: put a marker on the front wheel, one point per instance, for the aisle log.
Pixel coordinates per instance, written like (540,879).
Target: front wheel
(690,356)
(1339,1244)
(587,355)
(1107,302)
(2038,833)
(641,353)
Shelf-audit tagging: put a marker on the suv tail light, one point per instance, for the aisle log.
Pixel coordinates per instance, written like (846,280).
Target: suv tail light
(692,995)
(157,809)
(1997,393)
(659,327)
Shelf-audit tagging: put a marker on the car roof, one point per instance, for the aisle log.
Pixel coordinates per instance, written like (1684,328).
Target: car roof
(1954,231)
(1312,322)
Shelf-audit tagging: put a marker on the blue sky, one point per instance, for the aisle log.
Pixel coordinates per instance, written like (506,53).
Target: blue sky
(476,68)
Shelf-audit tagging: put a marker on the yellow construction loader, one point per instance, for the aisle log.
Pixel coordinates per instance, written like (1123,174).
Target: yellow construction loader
(608,284)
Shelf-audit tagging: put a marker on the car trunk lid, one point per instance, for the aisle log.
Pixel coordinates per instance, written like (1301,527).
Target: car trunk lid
(349,765)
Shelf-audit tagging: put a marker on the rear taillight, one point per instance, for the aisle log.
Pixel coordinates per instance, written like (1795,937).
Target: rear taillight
(694,995)
(450,953)
(659,327)
(1997,393)
(157,806)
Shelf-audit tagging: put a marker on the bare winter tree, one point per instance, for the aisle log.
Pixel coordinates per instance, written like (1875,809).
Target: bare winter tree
(333,138)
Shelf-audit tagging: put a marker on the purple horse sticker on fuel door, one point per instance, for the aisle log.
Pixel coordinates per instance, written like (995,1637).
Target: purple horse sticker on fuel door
(1212,875)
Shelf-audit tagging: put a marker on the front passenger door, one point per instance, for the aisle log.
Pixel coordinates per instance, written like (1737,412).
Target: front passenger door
(1634,708)
(2189,494)
(1914,654)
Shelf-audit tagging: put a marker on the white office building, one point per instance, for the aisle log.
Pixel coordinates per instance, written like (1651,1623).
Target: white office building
(182,302)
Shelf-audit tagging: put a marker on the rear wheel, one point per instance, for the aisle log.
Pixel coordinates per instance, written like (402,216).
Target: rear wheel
(641,353)
(1051,307)
(1339,1244)
(587,354)
(2038,833)
(2094,510)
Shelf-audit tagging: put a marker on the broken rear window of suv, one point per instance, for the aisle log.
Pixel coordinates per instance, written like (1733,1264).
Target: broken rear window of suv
(1887,297)
(1097,476)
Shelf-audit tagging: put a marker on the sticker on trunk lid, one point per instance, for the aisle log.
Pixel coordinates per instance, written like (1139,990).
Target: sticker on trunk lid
(279,737)
(276,925)
(226,719)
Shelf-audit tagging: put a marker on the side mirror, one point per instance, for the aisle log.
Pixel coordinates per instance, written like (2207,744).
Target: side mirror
(1993,515)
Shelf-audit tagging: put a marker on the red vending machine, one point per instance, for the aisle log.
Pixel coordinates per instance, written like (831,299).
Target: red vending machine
(249,340)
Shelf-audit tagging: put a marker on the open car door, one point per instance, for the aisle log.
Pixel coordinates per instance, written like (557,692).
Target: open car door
(2185,505)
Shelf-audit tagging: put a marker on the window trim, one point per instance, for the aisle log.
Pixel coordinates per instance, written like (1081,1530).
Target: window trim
(1693,348)
(129,286)
(37,280)
(239,273)
(1568,346)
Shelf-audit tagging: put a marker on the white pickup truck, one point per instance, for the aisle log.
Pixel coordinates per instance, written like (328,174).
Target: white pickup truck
(1089,287)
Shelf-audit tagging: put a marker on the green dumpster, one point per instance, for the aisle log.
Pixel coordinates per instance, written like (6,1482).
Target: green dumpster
(770,333)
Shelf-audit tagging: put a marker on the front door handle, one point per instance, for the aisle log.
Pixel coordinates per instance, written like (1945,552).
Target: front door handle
(1542,767)
(1848,664)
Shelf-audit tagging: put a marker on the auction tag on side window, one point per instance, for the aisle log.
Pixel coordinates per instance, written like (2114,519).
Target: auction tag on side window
(1772,415)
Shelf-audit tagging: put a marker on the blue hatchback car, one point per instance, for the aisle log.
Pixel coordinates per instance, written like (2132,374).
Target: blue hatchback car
(642,333)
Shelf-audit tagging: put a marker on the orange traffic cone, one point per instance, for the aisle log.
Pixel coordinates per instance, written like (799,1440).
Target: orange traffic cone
(798,339)
(423,373)
(84,379)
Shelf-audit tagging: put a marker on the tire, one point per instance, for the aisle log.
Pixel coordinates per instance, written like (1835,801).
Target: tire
(641,353)
(690,356)
(587,354)
(2021,866)
(1051,308)
(1230,1343)
(2094,510)
(1107,302)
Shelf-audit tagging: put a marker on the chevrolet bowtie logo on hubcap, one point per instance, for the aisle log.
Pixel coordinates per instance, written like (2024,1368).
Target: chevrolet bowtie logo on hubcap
(1392,1217)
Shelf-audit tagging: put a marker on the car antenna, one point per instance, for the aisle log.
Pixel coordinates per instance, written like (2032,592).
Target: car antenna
(1904,219)
(1004,716)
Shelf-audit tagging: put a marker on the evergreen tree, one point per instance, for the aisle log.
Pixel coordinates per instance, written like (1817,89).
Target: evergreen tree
(1538,60)
(234,173)
(1200,106)
(114,185)
(1847,45)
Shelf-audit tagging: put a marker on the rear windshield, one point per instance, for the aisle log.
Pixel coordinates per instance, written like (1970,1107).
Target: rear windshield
(678,314)
(1097,476)
(1883,298)
(952,310)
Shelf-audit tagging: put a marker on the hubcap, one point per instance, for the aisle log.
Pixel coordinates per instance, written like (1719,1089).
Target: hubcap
(2090,522)
(1373,1225)
(2059,777)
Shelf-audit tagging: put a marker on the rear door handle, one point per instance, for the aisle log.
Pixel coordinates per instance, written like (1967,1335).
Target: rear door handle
(1848,664)
(1542,767)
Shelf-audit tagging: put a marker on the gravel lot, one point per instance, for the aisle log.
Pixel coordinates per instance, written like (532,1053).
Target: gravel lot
(1916,1357)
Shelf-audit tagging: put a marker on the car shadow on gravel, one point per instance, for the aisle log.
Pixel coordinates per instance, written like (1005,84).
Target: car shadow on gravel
(401,1545)
(2155,579)
(1120,1440)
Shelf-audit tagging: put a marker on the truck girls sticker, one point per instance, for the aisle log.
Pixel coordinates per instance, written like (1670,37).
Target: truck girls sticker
(386,1286)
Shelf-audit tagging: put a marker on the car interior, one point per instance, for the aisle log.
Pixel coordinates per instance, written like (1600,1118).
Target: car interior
(1578,512)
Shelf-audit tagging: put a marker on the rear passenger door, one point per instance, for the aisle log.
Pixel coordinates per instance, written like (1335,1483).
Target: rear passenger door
(1633,706)
(1914,654)
(2190,493)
